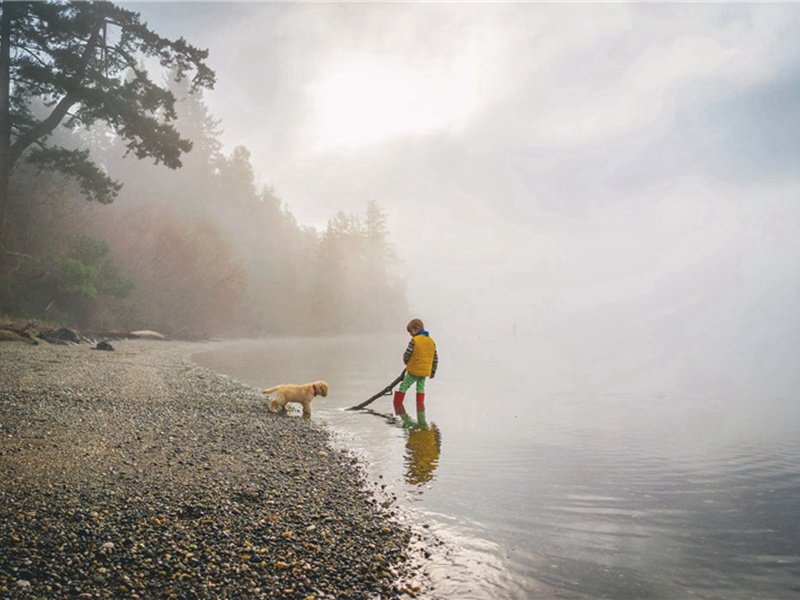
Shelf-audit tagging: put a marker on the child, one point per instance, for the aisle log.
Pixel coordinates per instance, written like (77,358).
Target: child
(421,361)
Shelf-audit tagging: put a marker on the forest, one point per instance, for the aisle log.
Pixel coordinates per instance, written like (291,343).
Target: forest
(121,210)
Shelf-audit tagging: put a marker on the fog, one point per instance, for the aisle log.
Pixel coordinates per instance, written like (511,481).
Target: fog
(609,189)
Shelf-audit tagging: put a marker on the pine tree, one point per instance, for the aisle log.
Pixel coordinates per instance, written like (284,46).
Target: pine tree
(80,63)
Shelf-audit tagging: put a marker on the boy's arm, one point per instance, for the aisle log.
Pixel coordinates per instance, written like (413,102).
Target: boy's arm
(409,351)
(435,363)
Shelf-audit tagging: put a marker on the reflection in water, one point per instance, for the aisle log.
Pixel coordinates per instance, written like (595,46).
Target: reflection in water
(422,454)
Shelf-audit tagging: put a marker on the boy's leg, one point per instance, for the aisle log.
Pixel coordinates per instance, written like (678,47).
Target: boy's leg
(399,395)
(421,402)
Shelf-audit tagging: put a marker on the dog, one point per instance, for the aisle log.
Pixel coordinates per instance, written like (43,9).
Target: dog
(302,394)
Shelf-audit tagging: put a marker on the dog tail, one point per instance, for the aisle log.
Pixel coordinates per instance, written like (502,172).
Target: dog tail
(270,390)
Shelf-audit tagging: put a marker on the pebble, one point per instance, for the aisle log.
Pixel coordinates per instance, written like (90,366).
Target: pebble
(137,473)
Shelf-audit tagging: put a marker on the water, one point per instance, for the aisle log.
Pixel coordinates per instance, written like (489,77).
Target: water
(526,490)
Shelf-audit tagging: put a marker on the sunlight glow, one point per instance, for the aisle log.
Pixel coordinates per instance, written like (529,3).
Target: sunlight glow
(359,102)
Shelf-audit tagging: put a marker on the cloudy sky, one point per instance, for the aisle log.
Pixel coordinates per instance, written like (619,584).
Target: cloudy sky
(621,180)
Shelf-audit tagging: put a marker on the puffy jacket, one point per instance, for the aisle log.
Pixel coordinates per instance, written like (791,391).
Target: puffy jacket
(420,357)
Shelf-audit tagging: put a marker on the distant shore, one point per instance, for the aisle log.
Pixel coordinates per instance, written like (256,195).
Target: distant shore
(136,473)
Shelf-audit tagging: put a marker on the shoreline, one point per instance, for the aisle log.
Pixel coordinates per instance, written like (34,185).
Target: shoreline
(139,473)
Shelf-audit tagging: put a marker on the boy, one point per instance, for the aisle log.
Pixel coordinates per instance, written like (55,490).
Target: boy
(421,361)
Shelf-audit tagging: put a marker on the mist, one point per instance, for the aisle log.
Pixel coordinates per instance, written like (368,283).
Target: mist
(609,190)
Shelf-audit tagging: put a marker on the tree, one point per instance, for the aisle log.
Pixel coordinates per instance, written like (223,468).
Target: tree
(78,63)
(354,291)
(188,282)
(81,278)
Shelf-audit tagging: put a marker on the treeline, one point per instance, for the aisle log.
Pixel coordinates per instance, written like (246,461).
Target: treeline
(197,251)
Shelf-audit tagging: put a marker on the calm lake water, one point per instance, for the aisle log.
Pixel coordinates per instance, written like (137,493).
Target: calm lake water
(537,492)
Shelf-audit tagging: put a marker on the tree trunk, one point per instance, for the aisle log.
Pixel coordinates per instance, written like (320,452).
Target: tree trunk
(6,9)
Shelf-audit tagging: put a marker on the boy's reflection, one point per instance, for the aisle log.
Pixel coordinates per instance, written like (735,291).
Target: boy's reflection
(422,454)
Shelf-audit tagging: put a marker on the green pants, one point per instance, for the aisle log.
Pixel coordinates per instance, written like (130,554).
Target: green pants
(410,380)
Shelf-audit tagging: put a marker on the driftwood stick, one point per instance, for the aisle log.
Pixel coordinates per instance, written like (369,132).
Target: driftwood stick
(387,391)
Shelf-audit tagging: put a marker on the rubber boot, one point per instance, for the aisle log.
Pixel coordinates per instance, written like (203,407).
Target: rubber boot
(400,410)
(407,421)
(421,422)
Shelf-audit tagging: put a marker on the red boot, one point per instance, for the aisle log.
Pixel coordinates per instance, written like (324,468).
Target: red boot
(421,410)
(400,410)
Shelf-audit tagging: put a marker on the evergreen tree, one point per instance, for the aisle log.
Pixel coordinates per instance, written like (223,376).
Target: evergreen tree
(82,59)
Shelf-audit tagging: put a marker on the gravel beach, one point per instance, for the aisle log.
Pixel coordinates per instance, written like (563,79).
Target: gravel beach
(138,474)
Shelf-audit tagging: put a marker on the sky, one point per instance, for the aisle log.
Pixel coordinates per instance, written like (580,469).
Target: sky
(617,182)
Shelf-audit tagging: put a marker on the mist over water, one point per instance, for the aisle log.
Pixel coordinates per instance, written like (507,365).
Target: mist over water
(544,490)
(614,180)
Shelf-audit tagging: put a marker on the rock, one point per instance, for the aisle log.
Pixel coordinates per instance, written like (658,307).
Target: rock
(61,335)
(104,345)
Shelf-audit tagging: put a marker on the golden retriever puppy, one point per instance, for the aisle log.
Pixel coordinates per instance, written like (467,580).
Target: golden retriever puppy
(302,394)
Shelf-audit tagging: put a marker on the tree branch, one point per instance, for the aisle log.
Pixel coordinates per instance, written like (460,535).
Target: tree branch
(43,128)
(19,256)
(47,125)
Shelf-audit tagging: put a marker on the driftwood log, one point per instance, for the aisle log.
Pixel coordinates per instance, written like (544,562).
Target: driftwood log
(34,332)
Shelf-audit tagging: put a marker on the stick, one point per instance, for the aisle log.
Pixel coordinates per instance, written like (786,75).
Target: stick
(387,391)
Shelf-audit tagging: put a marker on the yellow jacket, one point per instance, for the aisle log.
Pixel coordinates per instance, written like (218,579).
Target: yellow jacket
(420,357)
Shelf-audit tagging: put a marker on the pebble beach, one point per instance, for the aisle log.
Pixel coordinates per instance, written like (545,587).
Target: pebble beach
(136,473)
